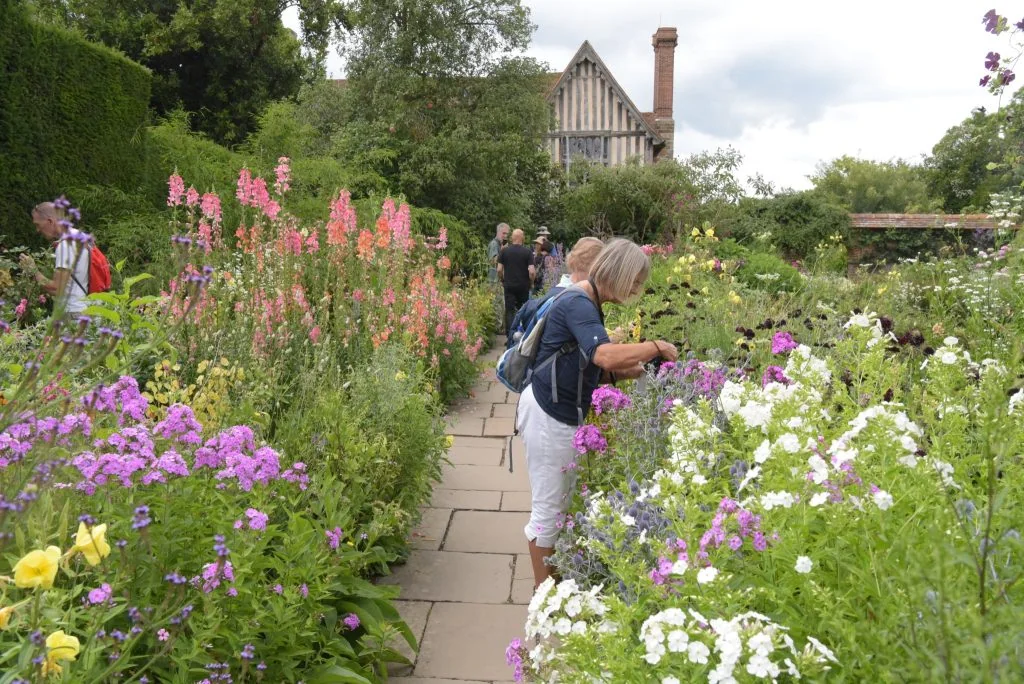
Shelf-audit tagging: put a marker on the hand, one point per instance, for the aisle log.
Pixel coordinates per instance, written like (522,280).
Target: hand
(667,350)
(27,263)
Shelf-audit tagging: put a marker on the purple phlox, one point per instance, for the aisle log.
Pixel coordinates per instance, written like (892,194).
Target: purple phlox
(774,374)
(351,621)
(608,399)
(783,342)
(180,424)
(589,438)
(257,519)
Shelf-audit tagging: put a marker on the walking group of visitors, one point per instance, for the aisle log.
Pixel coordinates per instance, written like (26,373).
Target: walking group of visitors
(575,354)
(519,271)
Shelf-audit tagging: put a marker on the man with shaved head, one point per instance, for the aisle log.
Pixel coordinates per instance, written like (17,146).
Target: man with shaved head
(71,263)
(516,273)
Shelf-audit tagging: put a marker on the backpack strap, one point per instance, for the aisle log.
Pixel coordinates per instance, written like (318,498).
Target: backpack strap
(71,271)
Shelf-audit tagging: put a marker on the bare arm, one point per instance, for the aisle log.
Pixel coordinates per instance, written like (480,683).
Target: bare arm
(622,358)
(533,273)
(56,286)
(501,273)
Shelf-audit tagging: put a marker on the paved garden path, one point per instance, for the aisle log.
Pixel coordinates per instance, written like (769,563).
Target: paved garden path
(467,582)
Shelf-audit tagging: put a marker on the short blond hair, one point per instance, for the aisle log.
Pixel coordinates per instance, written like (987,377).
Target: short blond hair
(618,267)
(583,255)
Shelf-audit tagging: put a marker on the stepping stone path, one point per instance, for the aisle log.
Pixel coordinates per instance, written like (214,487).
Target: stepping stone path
(468,580)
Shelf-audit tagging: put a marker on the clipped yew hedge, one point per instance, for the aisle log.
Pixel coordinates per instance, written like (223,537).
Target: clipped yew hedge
(71,114)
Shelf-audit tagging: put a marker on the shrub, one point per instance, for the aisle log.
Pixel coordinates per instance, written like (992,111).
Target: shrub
(796,222)
(71,113)
(769,272)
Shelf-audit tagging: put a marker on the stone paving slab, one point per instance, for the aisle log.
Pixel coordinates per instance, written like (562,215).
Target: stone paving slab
(429,534)
(504,410)
(522,580)
(476,455)
(451,576)
(432,680)
(468,641)
(499,427)
(466,499)
(516,501)
(495,395)
(486,478)
(485,442)
(466,426)
(414,614)
(487,532)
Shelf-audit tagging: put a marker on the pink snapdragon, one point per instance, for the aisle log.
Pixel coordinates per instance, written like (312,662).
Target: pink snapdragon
(175,190)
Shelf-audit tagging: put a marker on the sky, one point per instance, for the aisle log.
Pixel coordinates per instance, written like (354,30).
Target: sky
(788,83)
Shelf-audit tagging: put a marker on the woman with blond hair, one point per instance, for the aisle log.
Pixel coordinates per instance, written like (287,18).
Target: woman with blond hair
(574,355)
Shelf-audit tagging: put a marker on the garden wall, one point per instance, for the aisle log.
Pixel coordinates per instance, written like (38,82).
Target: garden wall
(71,114)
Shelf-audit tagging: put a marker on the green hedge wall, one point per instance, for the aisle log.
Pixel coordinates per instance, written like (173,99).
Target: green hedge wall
(71,114)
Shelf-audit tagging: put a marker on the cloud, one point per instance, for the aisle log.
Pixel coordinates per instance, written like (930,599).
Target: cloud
(788,83)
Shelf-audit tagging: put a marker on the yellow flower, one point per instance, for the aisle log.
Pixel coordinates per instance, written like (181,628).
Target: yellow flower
(710,232)
(92,543)
(695,232)
(61,646)
(882,289)
(400,375)
(5,616)
(449,441)
(692,258)
(734,298)
(704,290)
(37,569)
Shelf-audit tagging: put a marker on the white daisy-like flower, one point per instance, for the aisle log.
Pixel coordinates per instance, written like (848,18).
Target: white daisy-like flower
(804,565)
(883,499)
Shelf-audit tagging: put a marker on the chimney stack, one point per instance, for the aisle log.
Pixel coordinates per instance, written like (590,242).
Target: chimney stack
(664,41)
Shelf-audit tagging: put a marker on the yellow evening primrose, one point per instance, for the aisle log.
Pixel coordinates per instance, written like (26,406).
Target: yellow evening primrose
(400,375)
(5,616)
(734,298)
(92,543)
(449,441)
(710,232)
(37,569)
(695,232)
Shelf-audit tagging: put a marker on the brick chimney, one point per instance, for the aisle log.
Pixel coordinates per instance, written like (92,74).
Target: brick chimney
(664,41)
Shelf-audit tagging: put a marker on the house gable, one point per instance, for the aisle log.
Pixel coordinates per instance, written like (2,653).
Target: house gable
(595,118)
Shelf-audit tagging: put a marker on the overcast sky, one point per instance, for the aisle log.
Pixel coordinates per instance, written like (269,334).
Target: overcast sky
(789,83)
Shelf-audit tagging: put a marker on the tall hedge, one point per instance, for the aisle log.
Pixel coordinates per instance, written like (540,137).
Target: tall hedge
(71,114)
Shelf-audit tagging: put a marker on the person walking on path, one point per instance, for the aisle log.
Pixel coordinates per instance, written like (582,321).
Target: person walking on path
(494,248)
(71,260)
(556,403)
(516,273)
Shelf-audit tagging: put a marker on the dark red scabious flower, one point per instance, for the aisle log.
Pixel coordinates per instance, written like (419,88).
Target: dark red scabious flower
(992,61)
(991,21)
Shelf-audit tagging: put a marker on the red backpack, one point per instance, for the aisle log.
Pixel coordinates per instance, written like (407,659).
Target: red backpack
(99,271)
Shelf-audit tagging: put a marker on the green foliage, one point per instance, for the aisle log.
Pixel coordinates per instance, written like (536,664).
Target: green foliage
(223,60)
(437,109)
(966,166)
(770,273)
(71,114)
(796,223)
(633,200)
(863,186)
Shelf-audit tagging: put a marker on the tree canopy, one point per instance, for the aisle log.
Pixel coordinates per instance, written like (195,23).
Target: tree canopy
(223,61)
(865,187)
